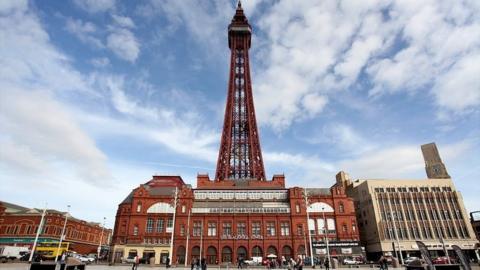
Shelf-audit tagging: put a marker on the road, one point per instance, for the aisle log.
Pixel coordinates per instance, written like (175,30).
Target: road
(25,266)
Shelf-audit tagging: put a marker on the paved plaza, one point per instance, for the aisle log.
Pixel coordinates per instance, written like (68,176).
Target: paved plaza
(25,266)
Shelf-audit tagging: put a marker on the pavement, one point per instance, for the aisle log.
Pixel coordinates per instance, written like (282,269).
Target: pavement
(26,266)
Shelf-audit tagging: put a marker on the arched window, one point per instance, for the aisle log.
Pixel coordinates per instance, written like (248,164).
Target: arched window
(196,252)
(212,255)
(301,250)
(257,251)
(271,250)
(341,209)
(242,253)
(160,207)
(139,207)
(226,254)
(287,252)
(319,207)
(181,254)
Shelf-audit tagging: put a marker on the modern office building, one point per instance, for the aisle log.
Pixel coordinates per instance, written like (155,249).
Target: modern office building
(239,213)
(393,213)
(19,225)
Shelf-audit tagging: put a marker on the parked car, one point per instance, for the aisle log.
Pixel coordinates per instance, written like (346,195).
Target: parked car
(82,258)
(443,260)
(129,259)
(350,261)
(12,253)
(410,259)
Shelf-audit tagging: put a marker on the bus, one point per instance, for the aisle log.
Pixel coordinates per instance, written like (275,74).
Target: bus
(50,250)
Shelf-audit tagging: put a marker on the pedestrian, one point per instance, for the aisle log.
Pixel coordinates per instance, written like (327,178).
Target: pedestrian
(197,263)
(239,263)
(385,263)
(135,263)
(167,262)
(299,263)
(204,264)
(64,257)
(327,264)
(193,263)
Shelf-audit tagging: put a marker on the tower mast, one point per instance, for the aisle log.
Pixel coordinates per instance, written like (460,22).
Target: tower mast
(240,156)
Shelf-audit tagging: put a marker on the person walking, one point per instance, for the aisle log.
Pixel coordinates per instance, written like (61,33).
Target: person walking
(299,263)
(193,263)
(204,264)
(327,264)
(167,263)
(135,263)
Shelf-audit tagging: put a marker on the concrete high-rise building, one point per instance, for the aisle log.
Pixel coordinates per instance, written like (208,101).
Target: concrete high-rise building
(393,214)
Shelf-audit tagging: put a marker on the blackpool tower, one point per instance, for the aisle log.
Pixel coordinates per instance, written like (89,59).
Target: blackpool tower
(240,157)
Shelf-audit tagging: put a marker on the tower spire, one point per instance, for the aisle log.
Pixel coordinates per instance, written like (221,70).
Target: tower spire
(240,156)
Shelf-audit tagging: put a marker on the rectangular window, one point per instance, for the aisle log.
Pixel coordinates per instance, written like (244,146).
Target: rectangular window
(149,225)
(170,223)
(285,229)
(212,229)
(160,225)
(299,229)
(271,228)
(227,228)
(197,228)
(297,208)
(256,229)
(241,228)
(182,230)
(135,230)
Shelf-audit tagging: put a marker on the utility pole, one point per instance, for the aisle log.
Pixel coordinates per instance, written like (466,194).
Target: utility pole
(188,237)
(170,254)
(101,238)
(38,234)
(63,232)
(305,195)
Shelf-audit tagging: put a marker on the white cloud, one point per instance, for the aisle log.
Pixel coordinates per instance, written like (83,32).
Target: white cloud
(123,21)
(459,88)
(84,31)
(94,6)
(397,45)
(34,125)
(46,133)
(124,44)
(100,62)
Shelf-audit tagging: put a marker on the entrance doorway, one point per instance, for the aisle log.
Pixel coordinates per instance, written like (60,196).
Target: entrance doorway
(164,257)
(226,254)
(212,255)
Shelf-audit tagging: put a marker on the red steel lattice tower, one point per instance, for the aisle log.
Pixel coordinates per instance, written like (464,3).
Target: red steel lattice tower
(240,157)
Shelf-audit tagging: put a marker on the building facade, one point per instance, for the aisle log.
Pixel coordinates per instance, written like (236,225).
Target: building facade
(19,225)
(239,213)
(475,221)
(393,214)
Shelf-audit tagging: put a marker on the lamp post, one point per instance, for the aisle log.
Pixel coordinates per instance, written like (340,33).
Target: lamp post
(63,232)
(101,238)
(305,195)
(325,231)
(38,234)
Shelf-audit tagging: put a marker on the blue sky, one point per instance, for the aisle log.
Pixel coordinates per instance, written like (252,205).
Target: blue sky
(98,95)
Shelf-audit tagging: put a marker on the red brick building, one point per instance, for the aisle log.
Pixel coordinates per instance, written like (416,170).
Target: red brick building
(19,225)
(239,213)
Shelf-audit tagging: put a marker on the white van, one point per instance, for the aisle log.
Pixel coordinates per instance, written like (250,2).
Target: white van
(12,253)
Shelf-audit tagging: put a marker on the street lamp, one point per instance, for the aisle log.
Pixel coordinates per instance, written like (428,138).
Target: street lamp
(101,238)
(175,200)
(63,232)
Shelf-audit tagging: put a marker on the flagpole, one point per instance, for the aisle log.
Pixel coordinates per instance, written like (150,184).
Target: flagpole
(101,238)
(188,237)
(170,255)
(38,233)
(63,232)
